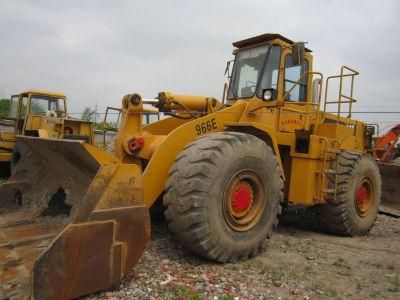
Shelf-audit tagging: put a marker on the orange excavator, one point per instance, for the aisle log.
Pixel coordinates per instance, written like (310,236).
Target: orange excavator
(385,146)
(385,152)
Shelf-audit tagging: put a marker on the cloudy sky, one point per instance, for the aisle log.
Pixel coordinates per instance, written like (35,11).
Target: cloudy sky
(97,51)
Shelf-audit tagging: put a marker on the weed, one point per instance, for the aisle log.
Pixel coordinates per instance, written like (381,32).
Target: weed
(288,243)
(182,292)
(314,287)
(277,276)
(332,292)
(294,275)
(321,255)
(341,263)
(304,249)
(263,270)
(234,268)
(345,272)
(247,264)
(225,297)
(309,270)
(375,293)
(395,288)
(359,286)
(377,265)
(390,267)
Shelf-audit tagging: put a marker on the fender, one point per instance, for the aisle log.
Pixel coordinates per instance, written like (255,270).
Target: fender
(269,133)
(156,172)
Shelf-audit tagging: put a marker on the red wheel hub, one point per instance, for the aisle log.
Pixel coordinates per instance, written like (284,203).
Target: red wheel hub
(362,195)
(241,199)
(244,200)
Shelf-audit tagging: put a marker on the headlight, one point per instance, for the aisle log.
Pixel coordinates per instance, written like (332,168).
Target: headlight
(267,95)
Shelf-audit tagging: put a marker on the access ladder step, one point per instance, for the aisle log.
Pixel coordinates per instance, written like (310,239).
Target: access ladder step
(333,151)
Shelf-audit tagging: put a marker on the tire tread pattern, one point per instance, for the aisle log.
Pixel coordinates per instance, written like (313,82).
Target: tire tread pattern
(334,216)
(186,190)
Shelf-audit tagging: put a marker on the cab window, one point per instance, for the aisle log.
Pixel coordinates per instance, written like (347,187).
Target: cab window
(49,106)
(22,111)
(246,71)
(292,74)
(13,107)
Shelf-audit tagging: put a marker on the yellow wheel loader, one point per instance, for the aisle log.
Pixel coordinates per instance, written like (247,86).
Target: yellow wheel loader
(79,220)
(42,114)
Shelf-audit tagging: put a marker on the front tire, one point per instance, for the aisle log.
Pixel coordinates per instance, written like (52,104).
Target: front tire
(223,196)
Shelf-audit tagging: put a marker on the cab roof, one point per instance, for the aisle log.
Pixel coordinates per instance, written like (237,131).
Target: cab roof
(263,38)
(44,92)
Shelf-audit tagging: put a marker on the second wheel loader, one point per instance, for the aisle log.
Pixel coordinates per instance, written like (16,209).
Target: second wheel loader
(79,221)
(41,114)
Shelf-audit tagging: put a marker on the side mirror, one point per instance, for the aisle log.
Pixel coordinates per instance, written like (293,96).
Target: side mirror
(298,52)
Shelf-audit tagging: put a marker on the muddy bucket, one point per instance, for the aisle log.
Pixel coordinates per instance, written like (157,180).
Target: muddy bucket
(390,203)
(72,220)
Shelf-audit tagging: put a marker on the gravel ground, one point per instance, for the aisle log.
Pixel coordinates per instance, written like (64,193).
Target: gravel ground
(301,262)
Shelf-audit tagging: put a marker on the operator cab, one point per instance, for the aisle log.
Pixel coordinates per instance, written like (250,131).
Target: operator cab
(36,102)
(267,67)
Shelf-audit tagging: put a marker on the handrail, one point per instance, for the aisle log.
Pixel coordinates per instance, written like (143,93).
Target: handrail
(350,100)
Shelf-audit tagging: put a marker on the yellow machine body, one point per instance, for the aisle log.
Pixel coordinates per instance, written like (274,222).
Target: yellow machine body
(107,196)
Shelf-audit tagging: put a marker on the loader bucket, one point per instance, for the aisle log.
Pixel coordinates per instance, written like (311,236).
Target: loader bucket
(390,203)
(72,220)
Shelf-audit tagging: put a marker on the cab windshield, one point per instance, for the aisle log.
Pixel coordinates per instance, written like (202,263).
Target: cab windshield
(255,70)
(49,106)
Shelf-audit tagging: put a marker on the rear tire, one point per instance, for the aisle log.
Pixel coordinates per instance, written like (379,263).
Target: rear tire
(223,196)
(356,206)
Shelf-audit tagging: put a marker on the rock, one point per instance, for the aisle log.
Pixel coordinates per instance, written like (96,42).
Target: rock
(277,283)
(204,277)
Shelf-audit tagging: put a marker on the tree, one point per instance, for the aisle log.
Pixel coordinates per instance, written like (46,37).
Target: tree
(4,104)
(88,114)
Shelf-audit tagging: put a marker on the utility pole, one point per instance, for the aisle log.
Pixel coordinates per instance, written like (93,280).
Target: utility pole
(95,113)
